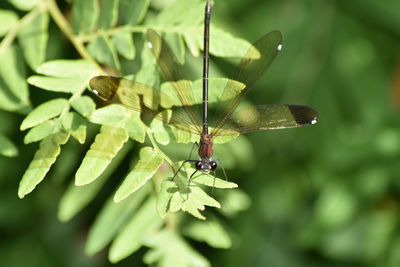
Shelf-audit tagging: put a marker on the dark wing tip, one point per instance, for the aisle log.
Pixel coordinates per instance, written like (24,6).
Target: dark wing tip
(104,87)
(304,115)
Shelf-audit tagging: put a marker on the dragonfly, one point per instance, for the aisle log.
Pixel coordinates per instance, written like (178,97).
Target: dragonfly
(185,116)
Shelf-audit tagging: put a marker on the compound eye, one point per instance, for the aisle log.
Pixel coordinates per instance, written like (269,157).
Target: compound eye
(198,165)
(213,166)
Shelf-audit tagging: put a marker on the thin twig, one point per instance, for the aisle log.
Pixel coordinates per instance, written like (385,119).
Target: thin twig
(64,26)
(154,143)
(12,33)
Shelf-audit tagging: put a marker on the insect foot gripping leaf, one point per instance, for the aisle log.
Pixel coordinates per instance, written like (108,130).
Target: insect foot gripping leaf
(175,195)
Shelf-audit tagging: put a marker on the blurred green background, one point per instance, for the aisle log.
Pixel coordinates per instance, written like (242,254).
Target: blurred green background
(324,195)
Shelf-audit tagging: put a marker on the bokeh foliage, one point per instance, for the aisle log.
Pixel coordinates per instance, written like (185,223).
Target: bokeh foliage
(325,195)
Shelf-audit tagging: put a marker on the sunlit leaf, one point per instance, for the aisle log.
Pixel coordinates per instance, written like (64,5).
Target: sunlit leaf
(25,5)
(7,148)
(192,44)
(111,219)
(144,222)
(68,68)
(237,46)
(104,51)
(210,231)
(196,202)
(233,202)
(14,93)
(77,197)
(41,131)
(133,11)
(123,42)
(84,15)
(84,105)
(121,117)
(44,112)
(209,180)
(188,12)
(41,163)
(33,39)
(106,145)
(177,45)
(57,84)
(149,162)
(76,125)
(169,250)
(7,19)
(164,197)
(159,132)
(108,13)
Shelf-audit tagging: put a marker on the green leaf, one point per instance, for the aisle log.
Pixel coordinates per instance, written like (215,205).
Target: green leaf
(111,219)
(118,116)
(170,250)
(149,162)
(76,125)
(68,68)
(159,132)
(33,39)
(113,115)
(25,5)
(44,112)
(84,105)
(106,145)
(234,201)
(56,84)
(237,46)
(103,50)
(78,197)
(7,19)
(209,180)
(7,148)
(108,13)
(164,197)
(133,11)
(191,199)
(210,231)
(148,73)
(196,201)
(41,131)
(182,12)
(136,129)
(14,93)
(123,42)
(175,42)
(42,161)
(143,223)
(84,15)
(192,44)
(65,75)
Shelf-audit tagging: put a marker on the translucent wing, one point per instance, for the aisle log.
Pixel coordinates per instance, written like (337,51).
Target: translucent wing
(255,62)
(142,98)
(267,117)
(173,72)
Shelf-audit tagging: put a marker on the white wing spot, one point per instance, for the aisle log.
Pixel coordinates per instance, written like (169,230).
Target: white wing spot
(279,48)
(314,121)
(96,92)
(150,45)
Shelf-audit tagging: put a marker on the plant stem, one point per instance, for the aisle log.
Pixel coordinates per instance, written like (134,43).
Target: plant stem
(84,38)
(154,143)
(66,29)
(12,33)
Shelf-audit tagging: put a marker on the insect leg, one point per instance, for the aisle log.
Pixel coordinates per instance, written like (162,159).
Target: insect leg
(180,167)
(223,169)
